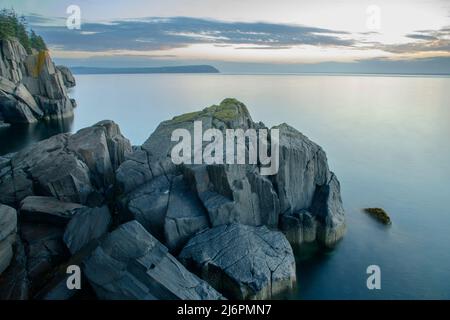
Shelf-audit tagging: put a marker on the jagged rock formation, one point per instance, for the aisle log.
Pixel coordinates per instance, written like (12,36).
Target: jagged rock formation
(241,261)
(71,168)
(124,213)
(31,86)
(68,78)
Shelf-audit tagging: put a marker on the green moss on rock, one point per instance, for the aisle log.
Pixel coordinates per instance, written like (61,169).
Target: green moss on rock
(379,214)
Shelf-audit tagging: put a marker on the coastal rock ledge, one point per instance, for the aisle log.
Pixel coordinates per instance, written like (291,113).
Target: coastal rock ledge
(141,227)
(32,88)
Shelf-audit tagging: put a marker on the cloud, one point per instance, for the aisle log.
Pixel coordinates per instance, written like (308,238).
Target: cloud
(146,34)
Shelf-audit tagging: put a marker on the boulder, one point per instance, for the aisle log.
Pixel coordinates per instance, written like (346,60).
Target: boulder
(242,262)
(69,80)
(8,229)
(148,205)
(302,167)
(47,209)
(87,224)
(130,264)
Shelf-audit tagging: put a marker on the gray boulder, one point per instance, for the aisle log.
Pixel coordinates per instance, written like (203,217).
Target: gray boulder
(8,229)
(87,224)
(241,261)
(69,80)
(130,264)
(148,205)
(47,209)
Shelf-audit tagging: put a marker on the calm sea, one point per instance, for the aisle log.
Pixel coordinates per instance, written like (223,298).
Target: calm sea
(387,138)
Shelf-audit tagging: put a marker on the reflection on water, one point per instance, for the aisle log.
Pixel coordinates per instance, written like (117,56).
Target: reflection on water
(18,136)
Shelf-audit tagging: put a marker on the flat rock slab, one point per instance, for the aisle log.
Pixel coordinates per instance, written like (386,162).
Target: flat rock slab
(130,264)
(47,209)
(242,262)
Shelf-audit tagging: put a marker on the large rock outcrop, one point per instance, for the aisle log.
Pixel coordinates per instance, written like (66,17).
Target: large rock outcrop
(31,86)
(124,213)
(234,193)
(242,262)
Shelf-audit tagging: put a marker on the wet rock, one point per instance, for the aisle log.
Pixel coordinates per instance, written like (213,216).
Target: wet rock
(328,209)
(241,261)
(300,227)
(131,264)
(87,224)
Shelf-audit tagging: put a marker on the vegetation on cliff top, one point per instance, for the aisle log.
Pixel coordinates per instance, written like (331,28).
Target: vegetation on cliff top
(14,26)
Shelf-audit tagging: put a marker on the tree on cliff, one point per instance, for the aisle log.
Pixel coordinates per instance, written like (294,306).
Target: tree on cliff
(14,26)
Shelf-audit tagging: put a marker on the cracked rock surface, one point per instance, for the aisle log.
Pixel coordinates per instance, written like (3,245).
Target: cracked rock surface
(243,262)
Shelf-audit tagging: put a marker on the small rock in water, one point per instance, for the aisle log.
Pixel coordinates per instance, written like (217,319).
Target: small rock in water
(379,214)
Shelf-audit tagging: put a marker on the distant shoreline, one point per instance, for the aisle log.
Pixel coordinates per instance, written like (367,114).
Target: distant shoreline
(146,70)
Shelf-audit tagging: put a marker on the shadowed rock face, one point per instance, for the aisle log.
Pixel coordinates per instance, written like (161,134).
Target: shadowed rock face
(8,229)
(122,213)
(131,264)
(31,87)
(241,261)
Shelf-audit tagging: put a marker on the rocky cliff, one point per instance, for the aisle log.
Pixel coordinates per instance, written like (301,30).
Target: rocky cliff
(141,227)
(32,88)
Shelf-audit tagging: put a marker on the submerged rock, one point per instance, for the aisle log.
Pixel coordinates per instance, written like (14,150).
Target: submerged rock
(379,214)
(131,264)
(241,261)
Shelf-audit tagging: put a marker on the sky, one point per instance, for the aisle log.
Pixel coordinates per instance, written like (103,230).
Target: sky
(248,35)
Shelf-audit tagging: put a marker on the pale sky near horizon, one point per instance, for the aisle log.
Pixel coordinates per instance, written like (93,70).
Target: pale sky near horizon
(245,31)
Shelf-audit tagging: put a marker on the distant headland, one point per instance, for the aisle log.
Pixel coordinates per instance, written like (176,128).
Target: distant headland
(174,69)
